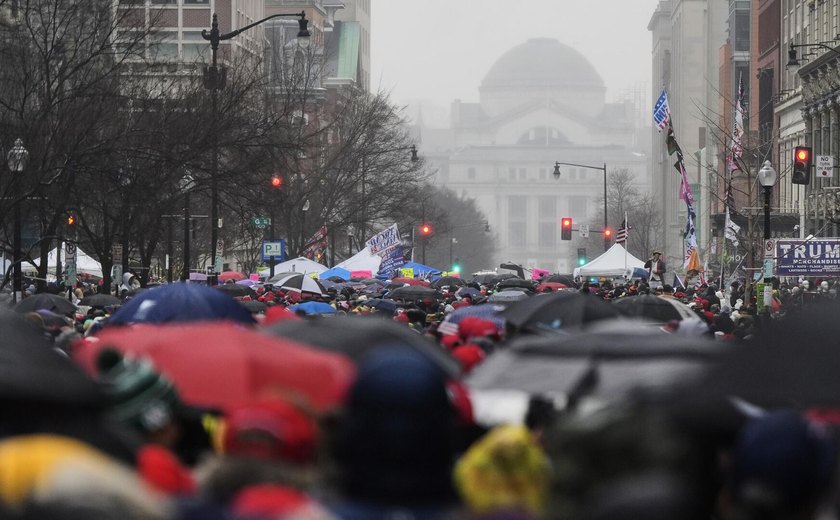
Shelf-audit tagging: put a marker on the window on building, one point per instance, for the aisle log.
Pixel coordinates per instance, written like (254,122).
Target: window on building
(547,215)
(194,47)
(523,173)
(196,2)
(512,174)
(517,220)
(471,173)
(572,174)
(163,45)
(547,208)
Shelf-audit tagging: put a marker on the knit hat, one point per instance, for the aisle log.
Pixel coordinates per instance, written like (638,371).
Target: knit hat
(270,430)
(141,397)
(397,442)
(783,461)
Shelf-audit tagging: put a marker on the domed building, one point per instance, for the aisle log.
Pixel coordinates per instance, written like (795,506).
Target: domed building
(540,102)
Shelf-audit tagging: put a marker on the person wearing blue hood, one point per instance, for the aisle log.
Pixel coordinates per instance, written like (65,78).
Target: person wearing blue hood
(396,445)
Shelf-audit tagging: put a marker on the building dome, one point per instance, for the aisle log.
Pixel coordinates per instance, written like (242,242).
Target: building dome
(542,62)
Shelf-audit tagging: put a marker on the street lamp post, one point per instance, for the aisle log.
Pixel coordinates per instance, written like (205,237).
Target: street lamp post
(17,158)
(187,184)
(214,80)
(767,178)
(603,168)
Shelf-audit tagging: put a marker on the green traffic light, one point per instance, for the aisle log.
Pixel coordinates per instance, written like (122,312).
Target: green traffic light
(581,261)
(456,268)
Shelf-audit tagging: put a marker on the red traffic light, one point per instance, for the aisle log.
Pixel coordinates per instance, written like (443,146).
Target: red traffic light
(802,154)
(607,233)
(277,182)
(426,229)
(566,223)
(71,219)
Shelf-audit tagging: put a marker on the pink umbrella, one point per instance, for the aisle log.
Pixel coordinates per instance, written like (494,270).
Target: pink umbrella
(231,275)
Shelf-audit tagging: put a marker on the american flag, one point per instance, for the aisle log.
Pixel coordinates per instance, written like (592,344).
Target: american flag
(661,111)
(621,234)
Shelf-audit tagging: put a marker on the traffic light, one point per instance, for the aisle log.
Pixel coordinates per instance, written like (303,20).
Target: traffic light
(71,219)
(276,182)
(607,233)
(456,266)
(426,230)
(581,256)
(801,165)
(566,228)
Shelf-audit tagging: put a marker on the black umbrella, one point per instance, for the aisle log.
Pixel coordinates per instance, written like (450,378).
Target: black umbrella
(792,362)
(607,364)
(554,311)
(32,371)
(560,278)
(509,283)
(235,289)
(254,306)
(413,292)
(100,300)
(47,301)
(654,308)
(491,278)
(382,304)
(450,281)
(358,336)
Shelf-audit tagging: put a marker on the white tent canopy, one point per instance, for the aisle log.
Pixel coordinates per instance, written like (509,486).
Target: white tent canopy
(299,265)
(615,262)
(362,261)
(84,263)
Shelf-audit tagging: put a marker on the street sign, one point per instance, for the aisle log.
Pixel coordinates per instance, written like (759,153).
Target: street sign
(769,248)
(220,248)
(768,267)
(70,278)
(824,166)
(218,267)
(70,252)
(275,248)
(117,253)
(261,222)
(813,257)
(584,230)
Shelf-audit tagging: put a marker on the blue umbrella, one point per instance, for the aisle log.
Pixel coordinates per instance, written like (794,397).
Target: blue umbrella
(487,311)
(180,302)
(472,292)
(344,274)
(383,304)
(313,308)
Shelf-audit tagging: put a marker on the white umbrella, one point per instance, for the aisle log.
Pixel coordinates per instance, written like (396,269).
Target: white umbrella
(300,283)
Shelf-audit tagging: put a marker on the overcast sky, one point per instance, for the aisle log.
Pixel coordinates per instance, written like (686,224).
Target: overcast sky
(439,50)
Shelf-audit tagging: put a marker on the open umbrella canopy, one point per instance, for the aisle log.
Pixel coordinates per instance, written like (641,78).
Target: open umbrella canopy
(31,371)
(100,300)
(606,364)
(557,311)
(235,289)
(248,282)
(450,281)
(509,296)
(51,302)
(342,275)
(313,308)
(551,286)
(654,308)
(486,311)
(231,275)
(411,281)
(413,292)
(565,279)
(508,283)
(254,306)
(223,365)
(180,302)
(356,337)
(300,283)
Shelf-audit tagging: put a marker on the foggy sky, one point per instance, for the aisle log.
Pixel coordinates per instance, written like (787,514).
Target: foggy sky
(440,50)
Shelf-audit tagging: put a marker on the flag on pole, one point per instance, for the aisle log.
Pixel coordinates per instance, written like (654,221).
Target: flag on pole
(661,111)
(731,229)
(621,234)
(678,284)
(738,126)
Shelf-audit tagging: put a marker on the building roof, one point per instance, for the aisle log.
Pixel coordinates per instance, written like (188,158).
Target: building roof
(541,62)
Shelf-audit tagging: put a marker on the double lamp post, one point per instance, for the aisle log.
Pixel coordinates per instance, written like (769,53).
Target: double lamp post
(214,80)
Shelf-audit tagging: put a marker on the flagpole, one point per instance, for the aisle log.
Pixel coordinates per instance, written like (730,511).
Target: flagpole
(626,239)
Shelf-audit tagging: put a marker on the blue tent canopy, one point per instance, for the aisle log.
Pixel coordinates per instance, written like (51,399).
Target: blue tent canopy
(344,274)
(421,270)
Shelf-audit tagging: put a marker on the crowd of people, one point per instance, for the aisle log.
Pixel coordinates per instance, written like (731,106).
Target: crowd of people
(405,442)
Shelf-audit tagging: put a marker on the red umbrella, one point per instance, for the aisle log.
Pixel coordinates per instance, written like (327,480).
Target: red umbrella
(412,281)
(553,286)
(223,365)
(231,275)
